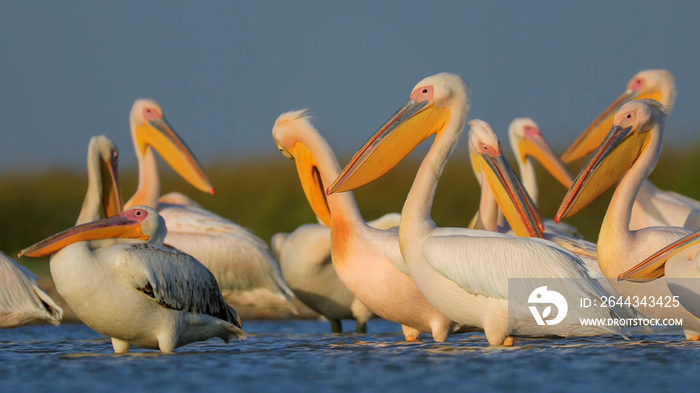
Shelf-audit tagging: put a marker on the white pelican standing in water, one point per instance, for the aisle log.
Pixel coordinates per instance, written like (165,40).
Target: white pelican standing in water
(121,283)
(135,291)
(241,262)
(305,254)
(653,207)
(22,301)
(462,272)
(629,154)
(366,259)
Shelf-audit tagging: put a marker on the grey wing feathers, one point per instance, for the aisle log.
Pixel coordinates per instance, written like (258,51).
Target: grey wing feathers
(175,280)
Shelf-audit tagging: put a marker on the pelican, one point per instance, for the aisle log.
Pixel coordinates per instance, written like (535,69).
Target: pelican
(22,301)
(120,282)
(241,262)
(629,153)
(135,291)
(653,207)
(366,259)
(462,272)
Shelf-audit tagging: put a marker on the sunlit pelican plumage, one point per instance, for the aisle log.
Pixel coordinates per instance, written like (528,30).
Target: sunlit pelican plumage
(628,153)
(241,262)
(120,282)
(462,272)
(653,207)
(22,301)
(358,250)
(305,259)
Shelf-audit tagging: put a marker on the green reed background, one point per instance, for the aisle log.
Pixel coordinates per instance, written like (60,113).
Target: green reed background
(264,195)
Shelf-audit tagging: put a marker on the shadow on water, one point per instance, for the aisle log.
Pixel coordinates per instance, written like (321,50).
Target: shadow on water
(302,356)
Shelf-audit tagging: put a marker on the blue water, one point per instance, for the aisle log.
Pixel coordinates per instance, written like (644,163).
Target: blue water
(294,356)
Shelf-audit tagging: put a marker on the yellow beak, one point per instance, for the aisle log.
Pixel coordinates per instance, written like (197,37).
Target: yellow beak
(617,153)
(107,228)
(537,147)
(654,266)
(406,129)
(514,202)
(111,192)
(159,135)
(310,181)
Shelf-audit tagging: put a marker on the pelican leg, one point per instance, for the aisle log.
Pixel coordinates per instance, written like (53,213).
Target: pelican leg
(410,333)
(441,330)
(497,335)
(167,342)
(336,326)
(120,346)
(361,327)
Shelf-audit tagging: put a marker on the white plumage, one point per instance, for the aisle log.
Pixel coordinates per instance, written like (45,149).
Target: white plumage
(462,272)
(359,251)
(630,153)
(22,301)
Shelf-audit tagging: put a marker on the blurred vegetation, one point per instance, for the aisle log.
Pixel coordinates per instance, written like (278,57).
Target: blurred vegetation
(265,196)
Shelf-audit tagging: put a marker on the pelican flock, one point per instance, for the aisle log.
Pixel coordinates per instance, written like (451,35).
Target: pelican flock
(161,271)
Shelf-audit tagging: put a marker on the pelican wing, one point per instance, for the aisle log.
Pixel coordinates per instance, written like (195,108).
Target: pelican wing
(19,293)
(175,280)
(483,265)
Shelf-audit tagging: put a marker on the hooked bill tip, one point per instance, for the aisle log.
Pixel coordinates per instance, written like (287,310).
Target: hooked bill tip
(211,191)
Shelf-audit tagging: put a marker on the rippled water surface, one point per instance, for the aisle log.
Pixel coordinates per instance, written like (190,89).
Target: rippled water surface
(301,356)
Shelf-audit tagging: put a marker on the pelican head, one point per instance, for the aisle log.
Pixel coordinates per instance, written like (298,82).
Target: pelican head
(487,159)
(659,85)
(630,136)
(289,131)
(527,141)
(149,129)
(435,103)
(103,151)
(139,224)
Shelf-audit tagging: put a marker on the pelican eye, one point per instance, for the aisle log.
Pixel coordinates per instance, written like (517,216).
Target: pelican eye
(425,91)
(629,116)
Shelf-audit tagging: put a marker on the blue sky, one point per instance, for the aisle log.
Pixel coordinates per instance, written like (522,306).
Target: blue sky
(224,70)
